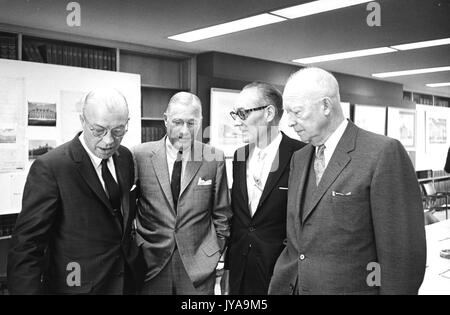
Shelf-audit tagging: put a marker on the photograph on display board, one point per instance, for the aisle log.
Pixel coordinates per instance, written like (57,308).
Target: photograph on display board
(407,128)
(39,147)
(437,130)
(223,134)
(371,118)
(8,135)
(402,126)
(41,114)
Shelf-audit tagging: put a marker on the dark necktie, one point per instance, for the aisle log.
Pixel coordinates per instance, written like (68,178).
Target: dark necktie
(113,190)
(176,179)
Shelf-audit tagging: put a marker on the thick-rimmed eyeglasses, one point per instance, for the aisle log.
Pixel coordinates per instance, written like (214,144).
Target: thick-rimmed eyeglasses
(244,113)
(99,131)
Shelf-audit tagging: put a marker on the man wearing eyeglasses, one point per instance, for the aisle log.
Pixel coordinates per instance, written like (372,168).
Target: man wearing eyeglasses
(183,205)
(73,235)
(260,189)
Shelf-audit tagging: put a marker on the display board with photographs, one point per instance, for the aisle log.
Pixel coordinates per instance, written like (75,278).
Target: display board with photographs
(402,126)
(40,107)
(371,118)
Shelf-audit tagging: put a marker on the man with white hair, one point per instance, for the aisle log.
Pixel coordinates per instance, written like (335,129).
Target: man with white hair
(183,206)
(73,235)
(355,221)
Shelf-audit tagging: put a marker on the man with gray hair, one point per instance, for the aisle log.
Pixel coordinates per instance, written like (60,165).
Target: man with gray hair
(260,189)
(355,221)
(183,206)
(73,235)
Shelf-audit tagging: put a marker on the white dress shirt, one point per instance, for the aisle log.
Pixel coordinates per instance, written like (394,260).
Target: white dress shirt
(97,163)
(259,166)
(332,141)
(172,153)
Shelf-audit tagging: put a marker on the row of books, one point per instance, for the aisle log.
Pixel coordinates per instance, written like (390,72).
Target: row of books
(7,223)
(419,99)
(86,57)
(442,103)
(8,47)
(152,133)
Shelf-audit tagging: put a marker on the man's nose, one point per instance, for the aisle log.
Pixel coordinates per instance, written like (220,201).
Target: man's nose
(108,138)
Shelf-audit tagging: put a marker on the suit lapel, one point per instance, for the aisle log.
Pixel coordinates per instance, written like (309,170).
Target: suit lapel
(338,162)
(159,161)
(241,170)
(282,159)
(192,166)
(87,171)
(124,180)
(299,179)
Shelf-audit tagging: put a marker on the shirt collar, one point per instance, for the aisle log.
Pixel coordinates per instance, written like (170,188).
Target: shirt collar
(172,151)
(273,146)
(95,159)
(332,142)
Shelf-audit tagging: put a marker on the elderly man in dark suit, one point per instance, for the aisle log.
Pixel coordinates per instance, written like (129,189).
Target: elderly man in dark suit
(183,206)
(73,235)
(260,189)
(355,219)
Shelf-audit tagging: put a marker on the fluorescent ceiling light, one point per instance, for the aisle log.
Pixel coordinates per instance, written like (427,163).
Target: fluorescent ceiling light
(227,28)
(410,72)
(436,85)
(429,43)
(346,55)
(315,7)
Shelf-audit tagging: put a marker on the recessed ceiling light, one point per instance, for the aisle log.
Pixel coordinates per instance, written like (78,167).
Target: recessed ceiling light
(429,43)
(436,85)
(410,72)
(346,55)
(227,28)
(315,7)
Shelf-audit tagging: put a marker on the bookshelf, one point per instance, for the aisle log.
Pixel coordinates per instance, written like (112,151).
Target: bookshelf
(163,72)
(8,46)
(426,99)
(68,54)
(161,78)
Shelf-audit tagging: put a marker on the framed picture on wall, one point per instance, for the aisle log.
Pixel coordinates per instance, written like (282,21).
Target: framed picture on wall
(371,118)
(223,134)
(402,126)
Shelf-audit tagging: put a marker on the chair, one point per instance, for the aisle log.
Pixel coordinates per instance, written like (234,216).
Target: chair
(432,198)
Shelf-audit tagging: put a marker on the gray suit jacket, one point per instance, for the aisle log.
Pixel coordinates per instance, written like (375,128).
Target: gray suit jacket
(379,218)
(200,226)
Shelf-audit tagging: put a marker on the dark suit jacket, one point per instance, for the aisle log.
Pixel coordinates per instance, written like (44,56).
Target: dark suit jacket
(374,215)
(66,217)
(259,238)
(447,162)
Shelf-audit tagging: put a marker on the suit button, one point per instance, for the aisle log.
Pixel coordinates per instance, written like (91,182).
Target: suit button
(302,257)
(252,229)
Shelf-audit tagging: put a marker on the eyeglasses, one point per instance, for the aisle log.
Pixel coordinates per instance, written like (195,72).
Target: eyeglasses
(244,113)
(99,131)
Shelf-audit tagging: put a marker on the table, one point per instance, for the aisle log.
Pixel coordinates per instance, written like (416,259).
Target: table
(437,274)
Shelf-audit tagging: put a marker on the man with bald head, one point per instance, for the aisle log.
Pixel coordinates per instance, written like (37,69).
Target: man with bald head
(183,205)
(73,235)
(355,220)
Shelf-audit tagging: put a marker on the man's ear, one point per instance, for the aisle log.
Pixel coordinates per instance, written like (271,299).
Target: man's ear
(326,105)
(165,119)
(271,113)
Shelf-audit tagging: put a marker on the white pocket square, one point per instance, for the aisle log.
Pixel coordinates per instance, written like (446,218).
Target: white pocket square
(133,188)
(202,182)
(335,193)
